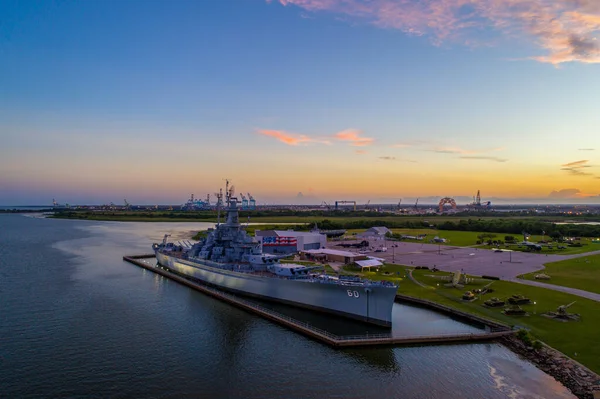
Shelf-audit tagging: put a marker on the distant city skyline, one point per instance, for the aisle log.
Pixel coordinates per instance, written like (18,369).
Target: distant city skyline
(151,101)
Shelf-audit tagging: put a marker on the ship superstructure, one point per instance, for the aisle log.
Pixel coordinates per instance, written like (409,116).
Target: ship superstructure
(232,260)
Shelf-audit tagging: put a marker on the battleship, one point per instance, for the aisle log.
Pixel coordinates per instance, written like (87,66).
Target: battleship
(229,259)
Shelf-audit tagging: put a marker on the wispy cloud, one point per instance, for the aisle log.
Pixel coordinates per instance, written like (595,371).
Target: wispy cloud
(575,168)
(388,158)
(462,151)
(587,149)
(452,150)
(576,164)
(401,145)
(483,158)
(353,137)
(567,30)
(360,152)
(292,138)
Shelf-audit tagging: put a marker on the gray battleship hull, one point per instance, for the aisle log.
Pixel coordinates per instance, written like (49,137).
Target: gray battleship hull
(371,304)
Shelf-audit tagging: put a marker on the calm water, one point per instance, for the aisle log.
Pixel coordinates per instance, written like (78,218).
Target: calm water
(77,321)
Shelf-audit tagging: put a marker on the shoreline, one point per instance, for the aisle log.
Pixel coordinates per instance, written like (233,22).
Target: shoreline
(580,380)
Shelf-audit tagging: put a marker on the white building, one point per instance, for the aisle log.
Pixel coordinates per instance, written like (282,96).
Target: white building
(289,241)
(374,232)
(331,255)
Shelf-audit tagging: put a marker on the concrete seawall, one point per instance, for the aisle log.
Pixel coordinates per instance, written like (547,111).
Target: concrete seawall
(490,324)
(322,335)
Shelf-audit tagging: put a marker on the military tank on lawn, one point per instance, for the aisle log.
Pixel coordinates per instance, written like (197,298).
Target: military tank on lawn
(469,296)
(494,302)
(518,300)
(514,310)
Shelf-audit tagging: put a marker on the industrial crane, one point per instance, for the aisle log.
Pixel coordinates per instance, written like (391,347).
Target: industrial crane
(345,202)
(251,202)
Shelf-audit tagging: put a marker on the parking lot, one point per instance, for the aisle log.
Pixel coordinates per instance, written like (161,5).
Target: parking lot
(470,260)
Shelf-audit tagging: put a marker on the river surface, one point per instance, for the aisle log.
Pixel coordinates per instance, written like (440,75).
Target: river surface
(78,322)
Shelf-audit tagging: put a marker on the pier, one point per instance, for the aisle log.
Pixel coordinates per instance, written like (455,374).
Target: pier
(493,330)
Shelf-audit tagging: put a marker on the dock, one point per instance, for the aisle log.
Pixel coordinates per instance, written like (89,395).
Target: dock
(492,331)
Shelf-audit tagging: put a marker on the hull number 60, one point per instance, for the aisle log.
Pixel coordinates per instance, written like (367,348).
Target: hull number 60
(354,294)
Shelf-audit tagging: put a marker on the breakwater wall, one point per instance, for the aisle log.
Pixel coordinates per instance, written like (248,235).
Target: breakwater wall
(581,381)
(312,331)
(492,325)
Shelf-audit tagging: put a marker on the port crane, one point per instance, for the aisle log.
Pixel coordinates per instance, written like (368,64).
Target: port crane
(251,202)
(325,205)
(244,201)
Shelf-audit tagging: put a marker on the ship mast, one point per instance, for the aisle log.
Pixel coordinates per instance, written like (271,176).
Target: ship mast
(219,204)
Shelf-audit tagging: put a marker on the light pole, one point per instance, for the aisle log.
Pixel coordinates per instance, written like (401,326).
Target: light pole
(534,307)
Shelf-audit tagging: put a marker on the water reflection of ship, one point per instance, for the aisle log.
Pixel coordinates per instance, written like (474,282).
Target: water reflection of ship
(331,323)
(232,325)
(382,358)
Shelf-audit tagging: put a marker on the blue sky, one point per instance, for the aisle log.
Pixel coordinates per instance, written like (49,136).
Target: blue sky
(154,100)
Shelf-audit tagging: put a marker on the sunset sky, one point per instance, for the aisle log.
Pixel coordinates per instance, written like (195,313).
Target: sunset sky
(334,99)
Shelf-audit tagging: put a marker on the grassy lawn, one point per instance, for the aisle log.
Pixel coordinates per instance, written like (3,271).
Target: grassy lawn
(582,273)
(552,249)
(453,237)
(569,337)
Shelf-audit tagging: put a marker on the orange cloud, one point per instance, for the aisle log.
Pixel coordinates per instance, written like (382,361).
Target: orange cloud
(575,168)
(577,164)
(352,136)
(567,30)
(290,138)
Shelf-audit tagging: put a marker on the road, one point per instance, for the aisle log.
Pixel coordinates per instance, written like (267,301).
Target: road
(475,261)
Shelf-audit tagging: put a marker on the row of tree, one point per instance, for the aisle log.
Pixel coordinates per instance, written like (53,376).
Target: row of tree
(505,226)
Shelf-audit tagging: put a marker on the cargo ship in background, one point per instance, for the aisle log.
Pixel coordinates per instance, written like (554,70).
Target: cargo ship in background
(230,259)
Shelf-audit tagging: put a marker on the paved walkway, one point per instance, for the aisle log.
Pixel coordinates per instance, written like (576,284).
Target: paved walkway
(580,255)
(414,280)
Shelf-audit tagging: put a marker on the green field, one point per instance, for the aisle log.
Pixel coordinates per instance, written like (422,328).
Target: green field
(577,339)
(458,238)
(582,273)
